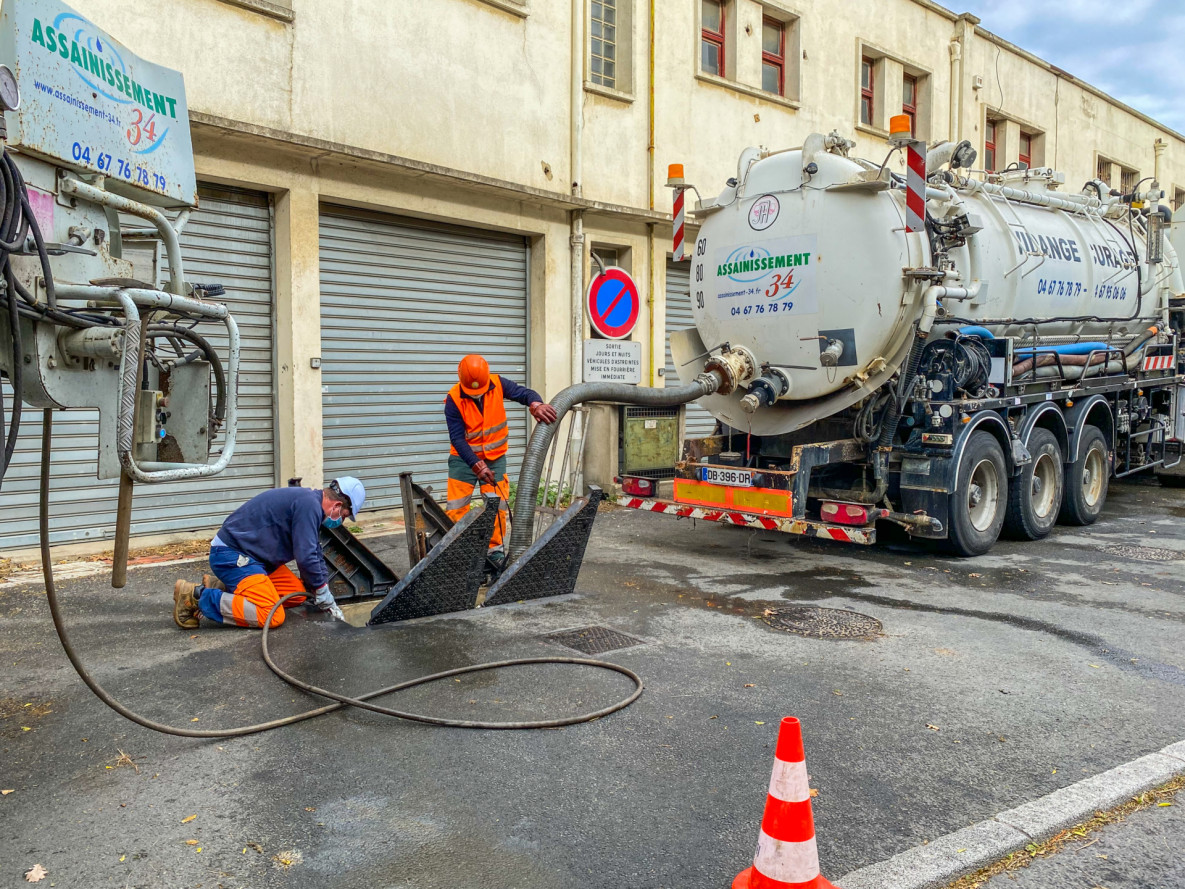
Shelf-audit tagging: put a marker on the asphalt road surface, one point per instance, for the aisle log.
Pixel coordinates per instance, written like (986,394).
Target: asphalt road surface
(993,681)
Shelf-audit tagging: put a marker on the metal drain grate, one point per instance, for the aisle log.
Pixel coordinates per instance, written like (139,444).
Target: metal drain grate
(592,640)
(1143,553)
(824,623)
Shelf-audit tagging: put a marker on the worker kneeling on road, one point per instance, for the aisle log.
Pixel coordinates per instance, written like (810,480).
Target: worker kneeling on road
(250,551)
(475,411)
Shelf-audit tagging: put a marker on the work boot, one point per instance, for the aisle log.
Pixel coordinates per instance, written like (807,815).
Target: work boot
(185,606)
(210,582)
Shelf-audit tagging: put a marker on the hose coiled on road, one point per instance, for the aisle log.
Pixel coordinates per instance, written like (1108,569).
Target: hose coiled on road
(523,518)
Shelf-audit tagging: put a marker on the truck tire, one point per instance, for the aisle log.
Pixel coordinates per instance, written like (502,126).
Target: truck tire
(1087,479)
(1035,495)
(978,505)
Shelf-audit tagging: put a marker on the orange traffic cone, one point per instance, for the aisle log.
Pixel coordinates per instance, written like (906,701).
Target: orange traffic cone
(787,857)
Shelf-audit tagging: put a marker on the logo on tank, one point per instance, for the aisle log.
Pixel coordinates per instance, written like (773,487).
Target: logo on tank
(764,212)
(774,277)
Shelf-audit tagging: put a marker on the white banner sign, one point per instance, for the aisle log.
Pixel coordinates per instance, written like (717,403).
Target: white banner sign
(612,361)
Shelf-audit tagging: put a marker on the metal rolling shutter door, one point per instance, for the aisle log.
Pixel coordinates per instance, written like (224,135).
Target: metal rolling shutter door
(698,422)
(227,241)
(402,301)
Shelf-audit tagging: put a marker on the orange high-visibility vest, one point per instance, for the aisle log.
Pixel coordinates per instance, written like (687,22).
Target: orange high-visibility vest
(485,427)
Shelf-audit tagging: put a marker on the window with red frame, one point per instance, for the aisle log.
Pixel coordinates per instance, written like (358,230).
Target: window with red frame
(989,146)
(909,102)
(1026,150)
(712,37)
(773,56)
(867,96)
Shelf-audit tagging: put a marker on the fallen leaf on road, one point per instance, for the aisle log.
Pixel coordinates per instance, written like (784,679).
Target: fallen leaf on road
(1162,805)
(309,809)
(191,842)
(195,719)
(728,663)
(837,692)
(769,612)
(933,728)
(35,874)
(122,857)
(25,728)
(750,685)
(258,848)
(6,792)
(1108,583)
(759,723)
(713,717)
(814,792)
(188,819)
(975,575)
(1096,666)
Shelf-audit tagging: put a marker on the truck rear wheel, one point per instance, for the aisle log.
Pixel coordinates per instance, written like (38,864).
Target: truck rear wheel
(1035,496)
(1086,480)
(979,502)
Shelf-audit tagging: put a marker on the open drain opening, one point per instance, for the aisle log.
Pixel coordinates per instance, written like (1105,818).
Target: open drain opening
(1143,553)
(592,640)
(823,623)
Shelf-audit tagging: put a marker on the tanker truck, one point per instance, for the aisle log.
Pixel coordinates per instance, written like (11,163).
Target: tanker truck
(957,352)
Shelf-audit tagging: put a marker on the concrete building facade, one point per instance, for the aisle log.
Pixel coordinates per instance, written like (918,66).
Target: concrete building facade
(403,150)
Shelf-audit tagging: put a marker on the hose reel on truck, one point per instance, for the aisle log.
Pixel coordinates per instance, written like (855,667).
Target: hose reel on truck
(909,363)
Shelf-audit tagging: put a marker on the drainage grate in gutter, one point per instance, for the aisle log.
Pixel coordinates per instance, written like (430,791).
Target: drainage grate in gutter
(1143,553)
(592,640)
(824,623)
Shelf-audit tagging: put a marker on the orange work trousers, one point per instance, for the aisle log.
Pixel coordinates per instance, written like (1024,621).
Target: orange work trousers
(253,598)
(461,485)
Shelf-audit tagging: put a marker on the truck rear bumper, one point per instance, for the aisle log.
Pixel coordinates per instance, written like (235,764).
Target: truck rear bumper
(805,527)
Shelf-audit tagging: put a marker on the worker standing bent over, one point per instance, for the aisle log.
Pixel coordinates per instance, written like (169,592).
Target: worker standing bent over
(249,554)
(475,411)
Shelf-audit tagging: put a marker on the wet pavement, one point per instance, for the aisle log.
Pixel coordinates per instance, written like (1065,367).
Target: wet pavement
(993,681)
(1144,851)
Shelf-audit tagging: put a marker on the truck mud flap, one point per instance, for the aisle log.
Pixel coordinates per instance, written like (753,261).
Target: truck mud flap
(550,565)
(354,571)
(449,578)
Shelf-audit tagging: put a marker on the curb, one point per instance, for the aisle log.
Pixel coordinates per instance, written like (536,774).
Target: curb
(946,859)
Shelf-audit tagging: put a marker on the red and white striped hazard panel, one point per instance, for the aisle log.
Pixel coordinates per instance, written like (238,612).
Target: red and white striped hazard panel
(1157,362)
(749,520)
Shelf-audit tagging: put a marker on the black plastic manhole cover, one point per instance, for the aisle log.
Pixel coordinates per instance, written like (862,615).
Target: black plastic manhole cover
(1143,553)
(592,640)
(824,623)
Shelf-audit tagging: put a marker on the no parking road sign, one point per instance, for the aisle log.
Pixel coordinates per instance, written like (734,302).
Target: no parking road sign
(613,304)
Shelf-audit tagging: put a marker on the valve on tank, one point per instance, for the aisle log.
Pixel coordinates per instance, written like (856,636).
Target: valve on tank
(831,353)
(773,383)
(734,365)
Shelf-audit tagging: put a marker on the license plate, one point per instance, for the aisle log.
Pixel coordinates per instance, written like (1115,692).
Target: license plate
(720,475)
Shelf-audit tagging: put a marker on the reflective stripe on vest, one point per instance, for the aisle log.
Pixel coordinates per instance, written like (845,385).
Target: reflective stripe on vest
(485,427)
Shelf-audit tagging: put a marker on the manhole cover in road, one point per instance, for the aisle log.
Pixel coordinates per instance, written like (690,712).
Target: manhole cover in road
(824,623)
(592,640)
(1143,553)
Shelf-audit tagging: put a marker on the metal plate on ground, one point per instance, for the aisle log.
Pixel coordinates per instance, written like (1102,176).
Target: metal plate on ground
(592,640)
(1143,553)
(550,565)
(824,623)
(449,578)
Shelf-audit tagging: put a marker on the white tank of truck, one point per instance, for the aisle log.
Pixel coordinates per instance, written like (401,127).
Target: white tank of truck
(805,266)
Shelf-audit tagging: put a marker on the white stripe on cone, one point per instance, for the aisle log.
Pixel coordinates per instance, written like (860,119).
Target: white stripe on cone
(786,862)
(789,782)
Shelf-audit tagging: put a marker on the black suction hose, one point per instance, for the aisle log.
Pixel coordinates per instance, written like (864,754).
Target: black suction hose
(341,700)
(528,477)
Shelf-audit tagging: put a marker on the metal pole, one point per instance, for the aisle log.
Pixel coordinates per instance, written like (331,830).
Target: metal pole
(123,512)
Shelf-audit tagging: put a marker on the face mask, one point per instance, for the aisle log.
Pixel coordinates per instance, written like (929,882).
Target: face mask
(331,523)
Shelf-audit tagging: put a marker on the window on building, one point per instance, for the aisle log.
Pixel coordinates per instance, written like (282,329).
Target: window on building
(712,37)
(1178,199)
(1128,179)
(603,60)
(1026,150)
(607,255)
(867,91)
(989,146)
(1103,170)
(909,101)
(773,56)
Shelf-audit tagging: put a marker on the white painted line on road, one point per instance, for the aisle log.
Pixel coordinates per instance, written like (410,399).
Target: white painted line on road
(946,859)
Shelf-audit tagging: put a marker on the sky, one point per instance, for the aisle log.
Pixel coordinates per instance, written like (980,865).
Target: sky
(1130,49)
